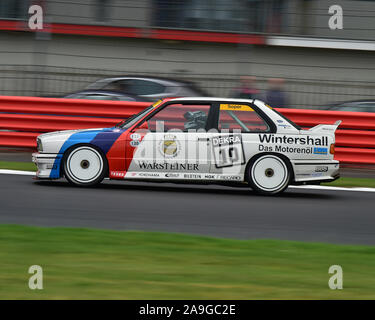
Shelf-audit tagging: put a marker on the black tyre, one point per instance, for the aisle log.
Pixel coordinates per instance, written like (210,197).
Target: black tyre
(269,174)
(85,166)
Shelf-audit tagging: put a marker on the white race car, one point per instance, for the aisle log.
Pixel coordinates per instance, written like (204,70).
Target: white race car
(210,140)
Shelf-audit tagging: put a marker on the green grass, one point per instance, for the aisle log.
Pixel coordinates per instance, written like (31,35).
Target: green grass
(342,182)
(24,166)
(352,182)
(99,264)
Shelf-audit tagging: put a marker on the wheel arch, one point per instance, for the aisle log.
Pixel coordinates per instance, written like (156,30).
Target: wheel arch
(258,155)
(76,145)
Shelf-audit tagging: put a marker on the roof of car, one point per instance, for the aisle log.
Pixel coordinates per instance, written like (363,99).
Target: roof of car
(140,77)
(103,92)
(213,99)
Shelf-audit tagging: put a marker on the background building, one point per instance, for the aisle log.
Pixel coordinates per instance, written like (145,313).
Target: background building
(211,42)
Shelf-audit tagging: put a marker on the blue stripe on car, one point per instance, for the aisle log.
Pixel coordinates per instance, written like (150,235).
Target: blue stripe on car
(105,139)
(78,137)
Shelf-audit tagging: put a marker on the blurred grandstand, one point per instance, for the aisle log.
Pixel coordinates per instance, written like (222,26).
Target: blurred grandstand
(209,42)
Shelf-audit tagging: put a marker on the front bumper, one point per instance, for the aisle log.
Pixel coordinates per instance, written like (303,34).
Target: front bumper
(315,171)
(48,165)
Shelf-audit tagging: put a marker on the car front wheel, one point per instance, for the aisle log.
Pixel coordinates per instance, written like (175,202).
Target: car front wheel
(85,166)
(268,174)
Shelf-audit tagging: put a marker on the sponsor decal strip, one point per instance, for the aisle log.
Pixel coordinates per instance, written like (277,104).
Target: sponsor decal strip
(183,176)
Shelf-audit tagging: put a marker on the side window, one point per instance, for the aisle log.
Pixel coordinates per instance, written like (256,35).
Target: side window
(241,117)
(97,97)
(180,116)
(136,87)
(366,106)
(121,85)
(13,9)
(124,98)
(142,87)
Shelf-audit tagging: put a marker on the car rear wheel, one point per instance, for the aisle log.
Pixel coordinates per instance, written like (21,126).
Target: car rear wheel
(268,174)
(85,166)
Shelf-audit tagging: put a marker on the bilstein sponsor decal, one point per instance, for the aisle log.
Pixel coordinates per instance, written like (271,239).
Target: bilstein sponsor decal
(307,140)
(168,166)
(192,176)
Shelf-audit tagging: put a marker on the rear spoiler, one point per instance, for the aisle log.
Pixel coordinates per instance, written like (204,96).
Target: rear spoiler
(326,127)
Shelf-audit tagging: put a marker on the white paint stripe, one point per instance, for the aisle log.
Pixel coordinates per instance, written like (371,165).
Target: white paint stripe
(17,172)
(333,188)
(321,43)
(312,187)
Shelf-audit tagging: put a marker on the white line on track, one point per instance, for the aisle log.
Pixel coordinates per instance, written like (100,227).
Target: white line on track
(17,172)
(312,187)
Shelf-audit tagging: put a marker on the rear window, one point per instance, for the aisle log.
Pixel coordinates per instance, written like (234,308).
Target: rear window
(241,117)
(287,120)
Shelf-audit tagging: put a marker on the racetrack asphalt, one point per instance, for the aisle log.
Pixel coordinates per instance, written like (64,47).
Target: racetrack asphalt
(332,216)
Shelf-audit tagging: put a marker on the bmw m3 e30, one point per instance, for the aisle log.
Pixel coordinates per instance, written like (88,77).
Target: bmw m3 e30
(204,140)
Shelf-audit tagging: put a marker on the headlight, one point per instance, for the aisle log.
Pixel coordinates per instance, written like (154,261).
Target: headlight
(39,146)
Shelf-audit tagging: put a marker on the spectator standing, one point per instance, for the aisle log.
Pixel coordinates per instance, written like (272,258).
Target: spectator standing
(275,95)
(247,89)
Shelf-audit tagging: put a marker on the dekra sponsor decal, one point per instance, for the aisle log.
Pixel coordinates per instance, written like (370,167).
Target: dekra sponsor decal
(226,140)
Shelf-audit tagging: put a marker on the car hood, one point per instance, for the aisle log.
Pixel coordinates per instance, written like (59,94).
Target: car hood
(65,132)
(59,141)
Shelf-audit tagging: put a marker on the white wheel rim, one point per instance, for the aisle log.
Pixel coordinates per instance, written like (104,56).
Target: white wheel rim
(84,164)
(269,173)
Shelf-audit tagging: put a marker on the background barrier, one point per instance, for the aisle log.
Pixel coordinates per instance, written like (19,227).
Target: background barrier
(22,119)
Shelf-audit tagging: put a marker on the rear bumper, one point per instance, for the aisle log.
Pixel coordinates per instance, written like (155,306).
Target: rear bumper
(315,171)
(48,165)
